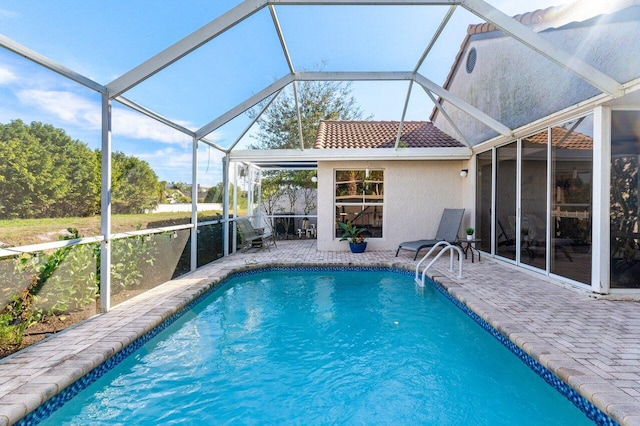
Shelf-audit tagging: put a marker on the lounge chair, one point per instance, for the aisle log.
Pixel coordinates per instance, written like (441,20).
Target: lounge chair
(532,246)
(252,237)
(447,231)
(505,236)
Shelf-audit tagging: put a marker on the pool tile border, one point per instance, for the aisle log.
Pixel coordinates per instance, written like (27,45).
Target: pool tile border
(58,400)
(584,405)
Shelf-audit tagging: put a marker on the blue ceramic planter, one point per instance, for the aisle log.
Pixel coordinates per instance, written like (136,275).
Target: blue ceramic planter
(357,248)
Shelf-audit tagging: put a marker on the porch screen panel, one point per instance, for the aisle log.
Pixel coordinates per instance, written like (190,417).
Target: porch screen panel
(625,210)
(533,210)
(505,226)
(571,203)
(359,199)
(483,200)
(46,292)
(142,262)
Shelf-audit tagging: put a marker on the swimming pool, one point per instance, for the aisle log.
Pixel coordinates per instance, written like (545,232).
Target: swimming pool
(316,347)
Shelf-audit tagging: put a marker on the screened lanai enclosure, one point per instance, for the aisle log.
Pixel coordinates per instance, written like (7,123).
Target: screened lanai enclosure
(133,138)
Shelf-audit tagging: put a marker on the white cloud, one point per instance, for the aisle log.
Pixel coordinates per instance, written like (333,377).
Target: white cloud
(77,110)
(175,158)
(7,76)
(4,13)
(137,126)
(170,164)
(66,106)
(174,164)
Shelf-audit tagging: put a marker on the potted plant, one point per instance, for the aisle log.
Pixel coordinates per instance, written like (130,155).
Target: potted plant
(355,235)
(470,232)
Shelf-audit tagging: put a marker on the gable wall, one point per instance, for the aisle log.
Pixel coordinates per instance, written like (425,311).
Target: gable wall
(517,86)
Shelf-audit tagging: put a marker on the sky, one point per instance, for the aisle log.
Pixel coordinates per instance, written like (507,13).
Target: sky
(103,42)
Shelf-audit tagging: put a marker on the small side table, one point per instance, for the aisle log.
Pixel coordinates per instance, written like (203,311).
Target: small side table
(469,246)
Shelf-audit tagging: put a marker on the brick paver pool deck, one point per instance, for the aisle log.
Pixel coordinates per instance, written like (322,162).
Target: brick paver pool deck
(591,343)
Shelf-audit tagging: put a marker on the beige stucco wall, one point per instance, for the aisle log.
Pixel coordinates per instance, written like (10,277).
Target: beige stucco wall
(415,193)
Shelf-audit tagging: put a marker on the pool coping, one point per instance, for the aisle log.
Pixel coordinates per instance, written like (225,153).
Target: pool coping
(41,372)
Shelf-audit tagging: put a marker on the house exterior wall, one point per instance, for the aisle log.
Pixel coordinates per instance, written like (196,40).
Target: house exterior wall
(516,86)
(415,193)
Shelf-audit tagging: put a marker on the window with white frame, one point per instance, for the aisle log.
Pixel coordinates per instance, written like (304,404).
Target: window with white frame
(359,199)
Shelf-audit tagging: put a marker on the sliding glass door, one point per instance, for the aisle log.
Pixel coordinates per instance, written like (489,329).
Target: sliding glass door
(483,200)
(571,202)
(505,226)
(625,199)
(533,200)
(549,226)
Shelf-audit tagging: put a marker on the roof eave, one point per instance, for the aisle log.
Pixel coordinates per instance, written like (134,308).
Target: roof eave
(340,154)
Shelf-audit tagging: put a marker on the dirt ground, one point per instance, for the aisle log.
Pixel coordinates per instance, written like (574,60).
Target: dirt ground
(57,323)
(49,326)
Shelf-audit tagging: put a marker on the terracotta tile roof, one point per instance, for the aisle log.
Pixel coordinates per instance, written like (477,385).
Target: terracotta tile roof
(554,16)
(538,19)
(381,134)
(560,139)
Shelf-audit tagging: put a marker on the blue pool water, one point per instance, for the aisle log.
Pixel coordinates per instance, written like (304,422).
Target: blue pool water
(354,347)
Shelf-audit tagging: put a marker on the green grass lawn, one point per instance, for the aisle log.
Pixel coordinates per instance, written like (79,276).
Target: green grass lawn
(20,232)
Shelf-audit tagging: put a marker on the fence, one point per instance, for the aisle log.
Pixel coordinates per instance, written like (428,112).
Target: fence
(185,207)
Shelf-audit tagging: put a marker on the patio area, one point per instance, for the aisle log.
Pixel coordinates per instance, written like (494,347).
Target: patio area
(524,115)
(591,343)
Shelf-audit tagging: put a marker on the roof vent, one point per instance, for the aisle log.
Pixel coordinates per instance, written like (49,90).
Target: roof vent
(471,60)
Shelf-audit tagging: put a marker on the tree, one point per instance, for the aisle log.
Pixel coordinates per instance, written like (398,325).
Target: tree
(46,173)
(279,129)
(214,194)
(319,100)
(273,184)
(77,187)
(176,192)
(135,185)
(282,189)
(624,212)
